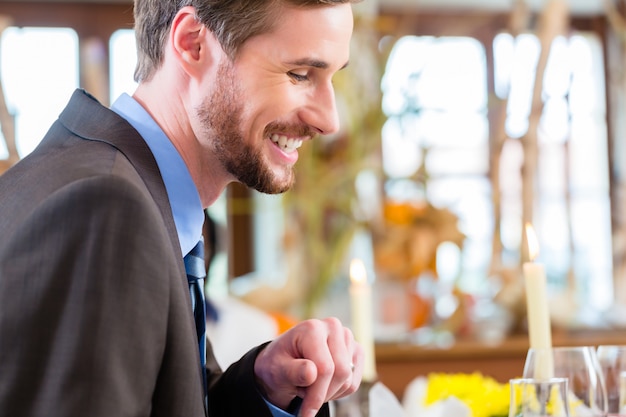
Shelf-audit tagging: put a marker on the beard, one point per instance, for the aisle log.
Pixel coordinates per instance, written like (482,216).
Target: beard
(221,117)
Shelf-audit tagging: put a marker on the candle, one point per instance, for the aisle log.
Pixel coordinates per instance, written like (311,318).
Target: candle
(539,334)
(362,316)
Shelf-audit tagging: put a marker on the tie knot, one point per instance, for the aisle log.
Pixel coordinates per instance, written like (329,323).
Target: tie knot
(194,262)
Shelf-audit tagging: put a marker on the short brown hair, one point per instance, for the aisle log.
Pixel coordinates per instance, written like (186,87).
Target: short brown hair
(231,21)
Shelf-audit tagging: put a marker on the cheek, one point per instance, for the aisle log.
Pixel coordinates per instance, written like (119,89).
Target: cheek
(273,101)
(282,108)
(256,119)
(275,98)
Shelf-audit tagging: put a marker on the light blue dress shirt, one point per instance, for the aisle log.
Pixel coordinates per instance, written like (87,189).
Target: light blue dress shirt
(181,190)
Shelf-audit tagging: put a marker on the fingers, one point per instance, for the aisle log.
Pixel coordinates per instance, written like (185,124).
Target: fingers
(334,361)
(317,360)
(358,359)
(354,359)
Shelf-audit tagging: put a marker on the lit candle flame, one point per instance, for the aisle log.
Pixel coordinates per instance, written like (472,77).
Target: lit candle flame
(533,243)
(357,272)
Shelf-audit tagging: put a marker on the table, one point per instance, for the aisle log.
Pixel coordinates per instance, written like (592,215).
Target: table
(399,363)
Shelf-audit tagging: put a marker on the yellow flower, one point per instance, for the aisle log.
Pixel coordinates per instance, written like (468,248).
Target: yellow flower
(484,396)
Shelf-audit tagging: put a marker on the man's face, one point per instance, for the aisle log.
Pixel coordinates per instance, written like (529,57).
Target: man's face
(277,94)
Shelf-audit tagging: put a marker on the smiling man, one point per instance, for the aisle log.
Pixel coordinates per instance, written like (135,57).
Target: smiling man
(101,299)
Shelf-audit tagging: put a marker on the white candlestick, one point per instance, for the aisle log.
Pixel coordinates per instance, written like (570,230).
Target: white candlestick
(538,313)
(362,316)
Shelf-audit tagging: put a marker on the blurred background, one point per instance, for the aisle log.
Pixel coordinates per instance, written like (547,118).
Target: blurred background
(463,120)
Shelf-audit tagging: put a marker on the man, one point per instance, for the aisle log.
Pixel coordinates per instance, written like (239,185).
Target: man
(96,316)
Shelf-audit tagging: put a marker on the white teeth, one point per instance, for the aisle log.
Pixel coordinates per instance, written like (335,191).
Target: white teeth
(286,144)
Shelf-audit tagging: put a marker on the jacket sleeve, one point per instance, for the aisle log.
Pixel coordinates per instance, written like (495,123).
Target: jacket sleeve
(234,393)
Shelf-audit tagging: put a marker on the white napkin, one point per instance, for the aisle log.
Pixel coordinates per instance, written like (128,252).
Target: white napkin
(383,403)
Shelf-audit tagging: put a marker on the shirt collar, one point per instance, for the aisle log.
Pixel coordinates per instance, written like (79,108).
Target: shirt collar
(181,190)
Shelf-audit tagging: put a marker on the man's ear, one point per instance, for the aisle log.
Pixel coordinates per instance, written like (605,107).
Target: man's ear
(193,44)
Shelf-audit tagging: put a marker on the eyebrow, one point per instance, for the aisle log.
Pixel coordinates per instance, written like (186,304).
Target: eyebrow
(315,63)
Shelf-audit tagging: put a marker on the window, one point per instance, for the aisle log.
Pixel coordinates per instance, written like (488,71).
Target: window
(436,148)
(436,139)
(39,68)
(123,59)
(572,213)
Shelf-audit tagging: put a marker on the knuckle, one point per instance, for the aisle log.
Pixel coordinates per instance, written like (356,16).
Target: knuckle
(348,335)
(326,368)
(311,326)
(334,323)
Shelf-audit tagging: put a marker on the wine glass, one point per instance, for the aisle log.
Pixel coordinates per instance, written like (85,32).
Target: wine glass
(539,397)
(579,364)
(612,360)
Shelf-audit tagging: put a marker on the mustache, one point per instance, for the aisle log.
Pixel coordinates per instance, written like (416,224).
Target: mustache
(298,130)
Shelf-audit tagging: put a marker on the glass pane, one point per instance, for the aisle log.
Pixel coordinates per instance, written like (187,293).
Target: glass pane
(572,190)
(39,68)
(402,156)
(436,139)
(525,53)
(122,61)
(435,147)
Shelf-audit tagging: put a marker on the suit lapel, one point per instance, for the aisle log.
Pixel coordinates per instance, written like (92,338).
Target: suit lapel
(87,118)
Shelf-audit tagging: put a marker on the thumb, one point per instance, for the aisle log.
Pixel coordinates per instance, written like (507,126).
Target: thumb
(291,378)
(301,373)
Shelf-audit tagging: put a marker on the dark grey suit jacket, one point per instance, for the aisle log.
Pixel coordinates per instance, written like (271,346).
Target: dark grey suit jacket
(95,315)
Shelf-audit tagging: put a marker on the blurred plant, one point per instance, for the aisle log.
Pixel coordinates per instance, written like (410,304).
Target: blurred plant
(323,209)
(406,246)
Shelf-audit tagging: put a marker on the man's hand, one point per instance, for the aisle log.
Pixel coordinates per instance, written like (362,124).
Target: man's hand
(316,360)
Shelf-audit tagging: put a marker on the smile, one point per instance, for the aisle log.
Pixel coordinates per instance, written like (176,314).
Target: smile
(288,145)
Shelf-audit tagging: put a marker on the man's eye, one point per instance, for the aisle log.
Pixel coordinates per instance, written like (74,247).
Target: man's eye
(298,77)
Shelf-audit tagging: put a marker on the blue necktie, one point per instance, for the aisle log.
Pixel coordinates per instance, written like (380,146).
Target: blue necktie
(196,272)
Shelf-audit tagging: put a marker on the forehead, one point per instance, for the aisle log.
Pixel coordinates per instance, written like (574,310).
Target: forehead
(308,33)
